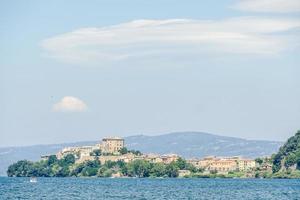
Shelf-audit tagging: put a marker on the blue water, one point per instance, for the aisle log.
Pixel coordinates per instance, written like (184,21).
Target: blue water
(106,188)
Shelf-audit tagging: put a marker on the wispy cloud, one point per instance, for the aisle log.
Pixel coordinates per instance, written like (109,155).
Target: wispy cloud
(70,104)
(278,6)
(141,38)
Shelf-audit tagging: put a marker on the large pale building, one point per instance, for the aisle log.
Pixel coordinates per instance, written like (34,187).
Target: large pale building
(223,165)
(112,145)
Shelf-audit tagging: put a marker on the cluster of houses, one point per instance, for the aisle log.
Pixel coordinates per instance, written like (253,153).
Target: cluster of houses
(110,151)
(223,164)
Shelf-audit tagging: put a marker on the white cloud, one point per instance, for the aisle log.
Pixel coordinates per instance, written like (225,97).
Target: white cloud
(70,104)
(142,38)
(279,6)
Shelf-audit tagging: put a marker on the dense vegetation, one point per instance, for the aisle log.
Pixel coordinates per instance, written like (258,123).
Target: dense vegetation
(67,167)
(124,150)
(288,155)
(284,164)
(48,168)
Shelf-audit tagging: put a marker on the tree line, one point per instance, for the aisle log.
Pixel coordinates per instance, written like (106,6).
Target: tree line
(67,167)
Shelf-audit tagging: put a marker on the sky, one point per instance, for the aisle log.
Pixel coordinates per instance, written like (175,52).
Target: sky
(81,70)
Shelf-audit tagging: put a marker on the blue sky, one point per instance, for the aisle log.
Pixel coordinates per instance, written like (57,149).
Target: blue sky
(81,70)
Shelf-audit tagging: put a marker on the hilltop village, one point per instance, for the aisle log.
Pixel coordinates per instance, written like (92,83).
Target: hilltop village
(111,158)
(113,149)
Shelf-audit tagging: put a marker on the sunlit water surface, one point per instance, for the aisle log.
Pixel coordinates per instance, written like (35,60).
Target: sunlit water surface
(126,188)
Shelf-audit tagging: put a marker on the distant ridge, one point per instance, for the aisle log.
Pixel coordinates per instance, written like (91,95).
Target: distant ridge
(198,144)
(186,144)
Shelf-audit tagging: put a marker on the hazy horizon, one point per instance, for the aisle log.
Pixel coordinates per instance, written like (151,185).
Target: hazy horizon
(133,135)
(79,71)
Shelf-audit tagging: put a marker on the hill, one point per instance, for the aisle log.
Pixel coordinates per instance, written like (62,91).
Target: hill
(198,144)
(288,155)
(186,144)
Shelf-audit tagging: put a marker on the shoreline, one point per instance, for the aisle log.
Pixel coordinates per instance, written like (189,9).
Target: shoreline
(164,178)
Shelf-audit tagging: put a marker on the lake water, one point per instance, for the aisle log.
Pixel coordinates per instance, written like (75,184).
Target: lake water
(107,188)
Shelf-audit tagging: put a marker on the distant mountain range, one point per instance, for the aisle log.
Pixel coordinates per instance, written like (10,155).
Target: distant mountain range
(186,144)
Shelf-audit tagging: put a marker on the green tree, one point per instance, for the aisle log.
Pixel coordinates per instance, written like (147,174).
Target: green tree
(137,153)
(123,167)
(96,152)
(89,171)
(181,163)
(172,170)
(123,150)
(192,168)
(51,160)
(139,168)
(121,163)
(290,160)
(63,172)
(20,169)
(90,168)
(93,163)
(297,153)
(77,169)
(41,169)
(69,159)
(110,164)
(259,161)
(104,172)
(158,170)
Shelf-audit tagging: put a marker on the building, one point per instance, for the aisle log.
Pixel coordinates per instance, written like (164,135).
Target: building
(222,165)
(83,159)
(168,158)
(112,145)
(183,173)
(246,164)
(78,152)
(154,158)
(266,166)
